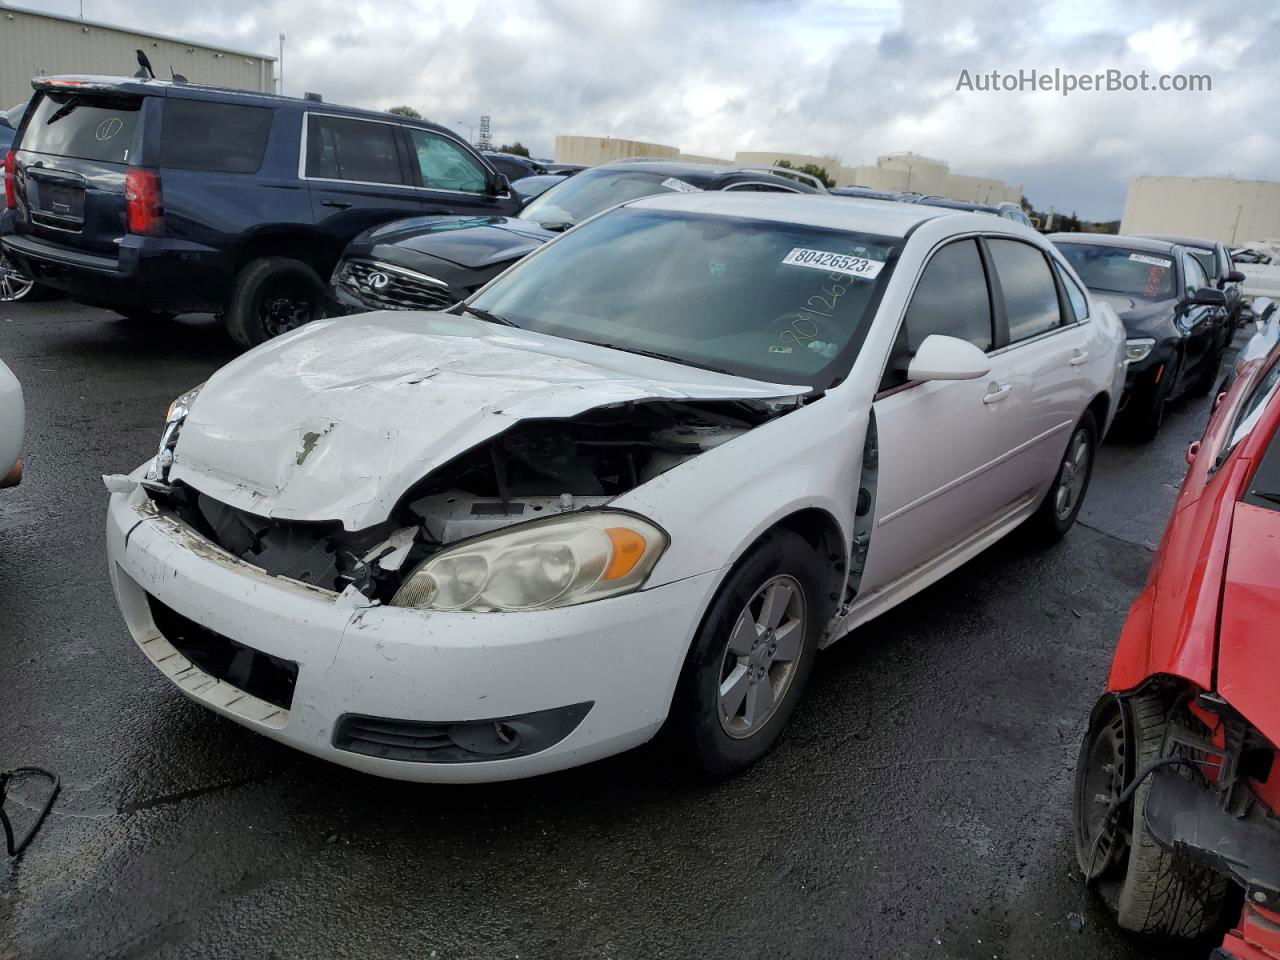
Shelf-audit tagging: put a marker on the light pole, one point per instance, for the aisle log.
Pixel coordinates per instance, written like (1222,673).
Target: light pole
(471,130)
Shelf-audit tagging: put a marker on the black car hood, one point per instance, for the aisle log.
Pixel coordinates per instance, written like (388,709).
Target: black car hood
(1141,317)
(470,242)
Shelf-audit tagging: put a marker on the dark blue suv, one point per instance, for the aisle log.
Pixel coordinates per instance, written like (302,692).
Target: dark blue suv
(154,198)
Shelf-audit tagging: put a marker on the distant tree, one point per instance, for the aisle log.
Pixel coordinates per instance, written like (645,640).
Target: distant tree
(518,148)
(812,169)
(406,112)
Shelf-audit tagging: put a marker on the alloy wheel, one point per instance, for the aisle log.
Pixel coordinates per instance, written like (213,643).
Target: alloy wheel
(1072,477)
(761,657)
(14,285)
(285,307)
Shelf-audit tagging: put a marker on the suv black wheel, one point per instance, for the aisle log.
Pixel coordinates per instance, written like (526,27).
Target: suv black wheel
(1061,505)
(1151,890)
(271,296)
(752,656)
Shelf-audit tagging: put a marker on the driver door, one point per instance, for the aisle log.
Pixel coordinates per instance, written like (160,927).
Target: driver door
(941,442)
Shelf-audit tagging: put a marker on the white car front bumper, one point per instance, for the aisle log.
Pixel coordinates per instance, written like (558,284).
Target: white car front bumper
(621,655)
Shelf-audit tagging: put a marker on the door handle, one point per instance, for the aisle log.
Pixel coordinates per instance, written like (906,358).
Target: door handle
(1079,357)
(996,392)
(340,204)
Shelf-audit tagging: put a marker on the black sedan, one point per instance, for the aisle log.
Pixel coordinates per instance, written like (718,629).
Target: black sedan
(429,263)
(1217,263)
(1176,322)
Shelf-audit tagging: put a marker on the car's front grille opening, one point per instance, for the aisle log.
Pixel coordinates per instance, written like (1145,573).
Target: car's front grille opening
(256,673)
(385,287)
(469,741)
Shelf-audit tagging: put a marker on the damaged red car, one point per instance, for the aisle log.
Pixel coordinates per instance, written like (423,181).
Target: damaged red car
(1177,792)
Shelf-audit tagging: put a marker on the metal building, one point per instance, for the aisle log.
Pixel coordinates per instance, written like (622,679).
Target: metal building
(1216,208)
(45,44)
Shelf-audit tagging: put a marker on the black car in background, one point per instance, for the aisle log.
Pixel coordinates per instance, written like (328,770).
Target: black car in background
(1217,263)
(1175,321)
(429,263)
(537,185)
(153,198)
(512,165)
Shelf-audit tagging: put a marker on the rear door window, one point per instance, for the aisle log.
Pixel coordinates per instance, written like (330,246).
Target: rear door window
(345,148)
(443,165)
(84,127)
(1030,295)
(1075,296)
(222,137)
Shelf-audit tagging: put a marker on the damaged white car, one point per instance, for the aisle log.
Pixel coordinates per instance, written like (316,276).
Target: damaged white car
(639,478)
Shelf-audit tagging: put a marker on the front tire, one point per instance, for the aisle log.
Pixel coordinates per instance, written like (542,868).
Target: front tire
(1151,890)
(1061,505)
(752,656)
(271,296)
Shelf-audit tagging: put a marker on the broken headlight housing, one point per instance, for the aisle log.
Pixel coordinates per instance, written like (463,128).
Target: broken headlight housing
(557,562)
(173,420)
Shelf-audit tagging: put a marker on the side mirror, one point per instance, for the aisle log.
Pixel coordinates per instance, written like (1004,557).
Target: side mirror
(948,358)
(1261,308)
(500,185)
(1235,276)
(1208,297)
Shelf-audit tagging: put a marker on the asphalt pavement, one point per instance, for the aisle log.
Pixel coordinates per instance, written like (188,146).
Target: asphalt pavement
(919,805)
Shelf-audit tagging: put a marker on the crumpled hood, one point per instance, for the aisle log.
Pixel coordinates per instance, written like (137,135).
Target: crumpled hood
(471,242)
(1141,317)
(335,421)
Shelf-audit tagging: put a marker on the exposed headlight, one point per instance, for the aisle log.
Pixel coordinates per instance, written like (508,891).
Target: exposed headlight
(1138,349)
(173,419)
(557,562)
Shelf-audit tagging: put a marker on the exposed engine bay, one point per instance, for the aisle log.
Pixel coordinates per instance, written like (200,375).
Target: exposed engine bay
(537,468)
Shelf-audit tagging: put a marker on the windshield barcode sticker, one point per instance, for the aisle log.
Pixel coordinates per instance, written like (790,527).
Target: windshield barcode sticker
(834,263)
(1152,261)
(672,183)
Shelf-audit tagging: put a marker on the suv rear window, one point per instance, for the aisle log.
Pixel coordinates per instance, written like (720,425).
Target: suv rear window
(222,137)
(343,148)
(85,127)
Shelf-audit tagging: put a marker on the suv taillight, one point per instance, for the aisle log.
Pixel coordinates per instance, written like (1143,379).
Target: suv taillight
(10,193)
(144,203)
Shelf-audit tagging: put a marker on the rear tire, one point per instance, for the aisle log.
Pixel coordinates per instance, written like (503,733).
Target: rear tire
(1151,890)
(1061,505)
(271,296)
(740,684)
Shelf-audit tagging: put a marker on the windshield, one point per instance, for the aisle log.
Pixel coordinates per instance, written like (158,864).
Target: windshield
(582,197)
(1135,273)
(84,126)
(781,302)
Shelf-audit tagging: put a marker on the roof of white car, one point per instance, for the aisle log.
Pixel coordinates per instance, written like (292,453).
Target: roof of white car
(834,212)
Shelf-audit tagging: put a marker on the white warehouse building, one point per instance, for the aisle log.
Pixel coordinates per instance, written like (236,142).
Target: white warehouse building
(1216,208)
(34,44)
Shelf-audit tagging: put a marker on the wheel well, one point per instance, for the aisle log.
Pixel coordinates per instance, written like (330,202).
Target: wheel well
(820,530)
(318,252)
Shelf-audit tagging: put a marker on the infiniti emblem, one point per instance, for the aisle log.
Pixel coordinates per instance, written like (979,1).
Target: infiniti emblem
(377,281)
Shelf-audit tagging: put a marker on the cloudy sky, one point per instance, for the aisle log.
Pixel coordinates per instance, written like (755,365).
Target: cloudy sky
(856,79)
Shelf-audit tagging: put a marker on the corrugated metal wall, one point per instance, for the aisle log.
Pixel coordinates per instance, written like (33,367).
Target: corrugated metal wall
(32,44)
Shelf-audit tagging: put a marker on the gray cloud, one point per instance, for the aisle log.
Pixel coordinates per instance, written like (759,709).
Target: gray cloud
(819,76)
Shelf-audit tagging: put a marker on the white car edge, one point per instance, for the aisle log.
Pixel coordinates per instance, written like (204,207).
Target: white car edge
(12,425)
(700,593)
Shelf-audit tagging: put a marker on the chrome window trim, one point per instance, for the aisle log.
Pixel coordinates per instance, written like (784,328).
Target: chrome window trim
(302,158)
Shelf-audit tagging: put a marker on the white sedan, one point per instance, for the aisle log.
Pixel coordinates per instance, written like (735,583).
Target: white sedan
(12,424)
(640,477)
